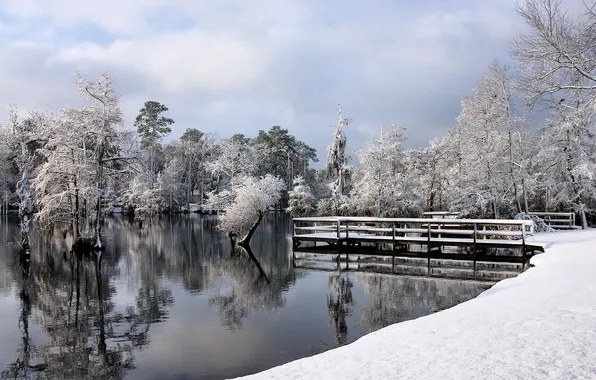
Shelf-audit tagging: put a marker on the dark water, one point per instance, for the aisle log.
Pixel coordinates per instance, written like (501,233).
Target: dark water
(171,301)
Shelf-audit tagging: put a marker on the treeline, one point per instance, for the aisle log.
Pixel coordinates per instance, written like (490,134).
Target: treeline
(63,170)
(67,170)
(493,162)
(490,164)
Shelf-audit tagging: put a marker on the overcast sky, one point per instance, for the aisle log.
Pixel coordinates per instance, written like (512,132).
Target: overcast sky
(237,66)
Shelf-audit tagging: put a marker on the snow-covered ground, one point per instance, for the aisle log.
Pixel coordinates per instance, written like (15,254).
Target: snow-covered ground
(539,325)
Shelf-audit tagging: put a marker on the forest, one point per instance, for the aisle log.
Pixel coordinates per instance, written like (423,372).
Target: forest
(65,169)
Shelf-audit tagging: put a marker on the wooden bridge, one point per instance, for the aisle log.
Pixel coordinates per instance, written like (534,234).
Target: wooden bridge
(476,240)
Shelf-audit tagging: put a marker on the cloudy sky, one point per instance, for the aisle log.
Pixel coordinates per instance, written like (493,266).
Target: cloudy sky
(235,66)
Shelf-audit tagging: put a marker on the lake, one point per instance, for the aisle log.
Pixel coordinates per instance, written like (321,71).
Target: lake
(172,301)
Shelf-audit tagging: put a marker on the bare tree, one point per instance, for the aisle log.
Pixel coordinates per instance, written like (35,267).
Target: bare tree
(558,54)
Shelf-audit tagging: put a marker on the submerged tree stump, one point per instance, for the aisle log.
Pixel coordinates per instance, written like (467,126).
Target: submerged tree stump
(85,245)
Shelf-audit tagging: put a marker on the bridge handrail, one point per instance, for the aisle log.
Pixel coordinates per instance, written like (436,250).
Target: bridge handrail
(343,219)
(340,227)
(556,219)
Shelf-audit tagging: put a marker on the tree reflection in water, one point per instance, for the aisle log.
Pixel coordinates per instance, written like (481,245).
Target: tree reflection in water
(96,313)
(340,303)
(241,280)
(399,298)
(70,298)
(22,366)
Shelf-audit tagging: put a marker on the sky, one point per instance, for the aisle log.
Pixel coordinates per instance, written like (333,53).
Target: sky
(234,66)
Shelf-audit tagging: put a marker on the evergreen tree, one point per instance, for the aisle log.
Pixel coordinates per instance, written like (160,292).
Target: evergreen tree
(152,127)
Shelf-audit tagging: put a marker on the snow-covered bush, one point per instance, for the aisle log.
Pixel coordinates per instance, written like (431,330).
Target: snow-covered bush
(142,199)
(301,198)
(539,223)
(335,204)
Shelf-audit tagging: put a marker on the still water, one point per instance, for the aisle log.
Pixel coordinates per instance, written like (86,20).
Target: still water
(171,301)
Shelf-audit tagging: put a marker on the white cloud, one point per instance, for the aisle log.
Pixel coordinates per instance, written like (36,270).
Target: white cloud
(179,61)
(233,66)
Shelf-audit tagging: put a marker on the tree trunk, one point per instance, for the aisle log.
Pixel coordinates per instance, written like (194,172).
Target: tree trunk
(582,215)
(245,241)
(232,240)
(431,197)
(98,244)
(25,207)
(188,186)
(257,263)
(525,196)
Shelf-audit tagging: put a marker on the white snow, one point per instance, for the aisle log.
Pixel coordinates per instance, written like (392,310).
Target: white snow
(538,325)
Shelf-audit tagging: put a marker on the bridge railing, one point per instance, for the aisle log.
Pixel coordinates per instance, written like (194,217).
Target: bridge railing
(495,232)
(557,220)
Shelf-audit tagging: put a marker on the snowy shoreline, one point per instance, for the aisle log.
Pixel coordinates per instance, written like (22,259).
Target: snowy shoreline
(538,325)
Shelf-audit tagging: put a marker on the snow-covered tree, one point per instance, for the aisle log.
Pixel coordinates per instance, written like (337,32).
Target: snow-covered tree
(145,201)
(338,170)
(244,206)
(566,169)
(279,153)
(22,138)
(84,159)
(194,152)
(556,65)
(301,198)
(382,187)
(430,166)
(487,147)
(64,181)
(171,181)
(555,53)
(234,159)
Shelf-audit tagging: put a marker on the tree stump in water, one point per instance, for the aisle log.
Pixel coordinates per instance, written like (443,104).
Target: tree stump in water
(85,245)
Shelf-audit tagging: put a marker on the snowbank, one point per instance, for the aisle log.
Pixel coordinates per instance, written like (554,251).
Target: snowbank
(539,325)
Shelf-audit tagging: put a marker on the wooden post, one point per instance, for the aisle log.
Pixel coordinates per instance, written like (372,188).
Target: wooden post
(523,226)
(338,231)
(439,235)
(475,249)
(523,260)
(428,249)
(393,238)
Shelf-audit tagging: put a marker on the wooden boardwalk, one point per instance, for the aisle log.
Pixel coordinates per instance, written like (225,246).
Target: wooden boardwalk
(476,240)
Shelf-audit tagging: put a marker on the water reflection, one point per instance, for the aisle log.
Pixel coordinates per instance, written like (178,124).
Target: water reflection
(172,300)
(340,304)
(396,299)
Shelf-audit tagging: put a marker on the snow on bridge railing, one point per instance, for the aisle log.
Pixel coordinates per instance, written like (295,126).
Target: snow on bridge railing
(358,219)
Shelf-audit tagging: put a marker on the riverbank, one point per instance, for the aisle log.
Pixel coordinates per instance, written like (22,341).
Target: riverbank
(538,325)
